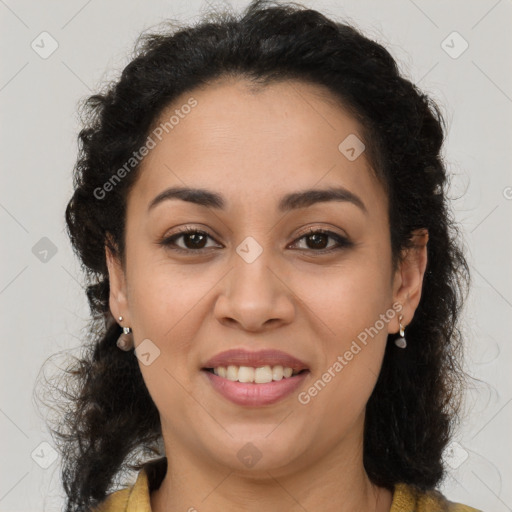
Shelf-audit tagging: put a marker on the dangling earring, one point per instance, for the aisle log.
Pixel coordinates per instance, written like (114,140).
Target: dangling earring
(401,342)
(125,341)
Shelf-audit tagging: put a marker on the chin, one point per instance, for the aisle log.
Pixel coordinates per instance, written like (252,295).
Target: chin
(255,452)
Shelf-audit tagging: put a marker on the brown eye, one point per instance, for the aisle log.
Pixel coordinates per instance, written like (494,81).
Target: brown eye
(193,240)
(197,240)
(317,241)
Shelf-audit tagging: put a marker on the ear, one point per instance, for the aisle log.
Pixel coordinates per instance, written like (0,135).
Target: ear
(117,300)
(408,279)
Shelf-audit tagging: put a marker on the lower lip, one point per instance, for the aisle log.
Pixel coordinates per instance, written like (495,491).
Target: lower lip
(248,393)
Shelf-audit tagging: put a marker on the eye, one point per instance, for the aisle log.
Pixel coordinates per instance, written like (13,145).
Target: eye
(194,236)
(194,241)
(318,237)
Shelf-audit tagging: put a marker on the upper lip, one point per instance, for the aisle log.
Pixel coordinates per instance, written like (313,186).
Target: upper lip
(256,359)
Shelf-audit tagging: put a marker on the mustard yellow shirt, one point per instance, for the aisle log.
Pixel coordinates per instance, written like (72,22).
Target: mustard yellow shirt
(136,497)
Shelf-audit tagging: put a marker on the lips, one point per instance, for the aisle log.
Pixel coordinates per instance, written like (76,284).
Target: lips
(256,359)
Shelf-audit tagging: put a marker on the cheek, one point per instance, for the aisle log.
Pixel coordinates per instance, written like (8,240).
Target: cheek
(169,304)
(165,304)
(162,292)
(348,306)
(348,296)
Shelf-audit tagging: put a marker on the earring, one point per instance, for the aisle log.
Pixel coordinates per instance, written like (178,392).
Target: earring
(401,342)
(125,341)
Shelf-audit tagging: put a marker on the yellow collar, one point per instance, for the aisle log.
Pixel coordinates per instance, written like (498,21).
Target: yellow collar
(137,497)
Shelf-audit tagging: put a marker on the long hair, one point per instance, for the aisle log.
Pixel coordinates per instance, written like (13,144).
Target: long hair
(109,422)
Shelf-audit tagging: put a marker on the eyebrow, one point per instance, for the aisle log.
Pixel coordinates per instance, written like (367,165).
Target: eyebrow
(292,201)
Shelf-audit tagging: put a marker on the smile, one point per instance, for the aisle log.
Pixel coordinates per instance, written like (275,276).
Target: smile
(254,386)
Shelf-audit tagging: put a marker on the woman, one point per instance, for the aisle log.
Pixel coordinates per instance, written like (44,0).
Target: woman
(274,275)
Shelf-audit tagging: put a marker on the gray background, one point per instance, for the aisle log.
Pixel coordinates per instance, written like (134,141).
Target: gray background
(41,299)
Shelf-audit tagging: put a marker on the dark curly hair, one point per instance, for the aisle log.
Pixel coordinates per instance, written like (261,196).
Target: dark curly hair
(110,423)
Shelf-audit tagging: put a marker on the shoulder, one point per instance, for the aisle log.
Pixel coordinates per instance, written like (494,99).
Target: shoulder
(407,498)
(115,502)
(136,498)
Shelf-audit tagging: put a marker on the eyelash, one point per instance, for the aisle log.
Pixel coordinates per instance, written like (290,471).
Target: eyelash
(169,242)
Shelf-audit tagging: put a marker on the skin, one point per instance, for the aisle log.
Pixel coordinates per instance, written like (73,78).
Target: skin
(254,147)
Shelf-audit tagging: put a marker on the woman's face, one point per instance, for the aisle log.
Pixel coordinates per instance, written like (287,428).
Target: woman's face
(252,280)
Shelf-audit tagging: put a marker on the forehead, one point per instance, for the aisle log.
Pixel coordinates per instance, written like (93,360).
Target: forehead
(253,146)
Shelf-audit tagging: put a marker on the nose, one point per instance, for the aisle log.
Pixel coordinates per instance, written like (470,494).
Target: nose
(255,296)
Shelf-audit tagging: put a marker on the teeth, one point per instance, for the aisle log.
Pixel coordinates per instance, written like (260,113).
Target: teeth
(259,375)
(277,372)
(245,374)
